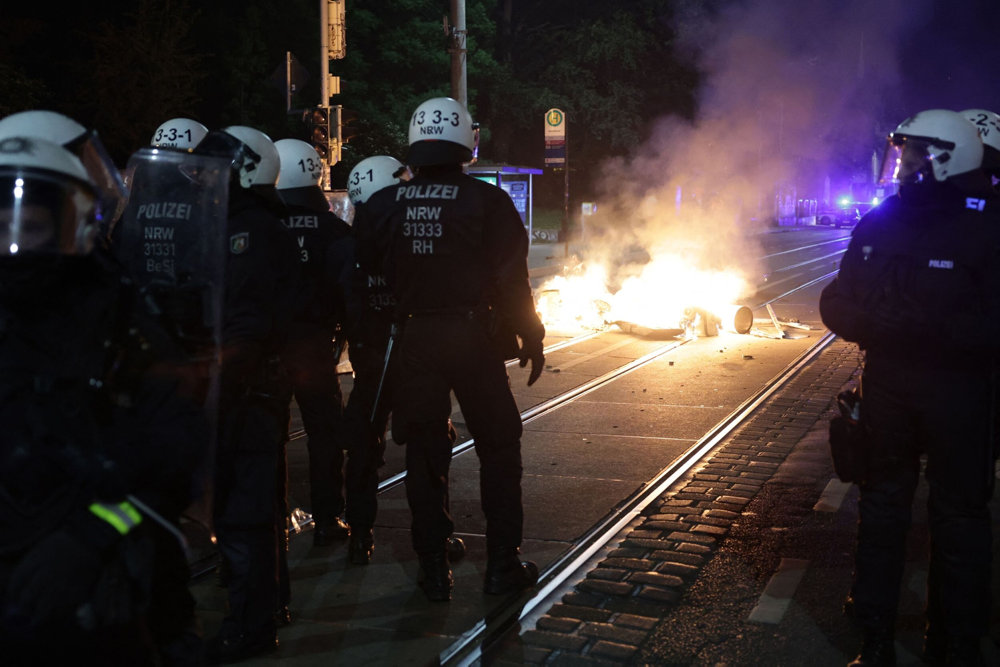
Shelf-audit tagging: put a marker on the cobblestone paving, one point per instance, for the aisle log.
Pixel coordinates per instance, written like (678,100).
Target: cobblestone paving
(614,609)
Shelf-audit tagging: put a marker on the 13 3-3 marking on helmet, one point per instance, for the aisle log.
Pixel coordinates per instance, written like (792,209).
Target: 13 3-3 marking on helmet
(436,117)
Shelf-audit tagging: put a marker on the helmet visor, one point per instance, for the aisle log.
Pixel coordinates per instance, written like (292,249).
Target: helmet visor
(222,144)
(906,160)
(45,213)
(111,188)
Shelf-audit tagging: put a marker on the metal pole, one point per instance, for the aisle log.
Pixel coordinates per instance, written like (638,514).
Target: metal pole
(324,74)
(324,53)
(459,90)
(565,220)
(288,81)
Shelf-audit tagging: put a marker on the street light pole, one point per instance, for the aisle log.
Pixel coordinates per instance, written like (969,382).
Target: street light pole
(459,90)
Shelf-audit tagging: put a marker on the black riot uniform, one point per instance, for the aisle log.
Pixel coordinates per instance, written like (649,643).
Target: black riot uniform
(261,275)
(455,253)
(918,289)
(369,317)
(104,432)
(311,354)
(102,414)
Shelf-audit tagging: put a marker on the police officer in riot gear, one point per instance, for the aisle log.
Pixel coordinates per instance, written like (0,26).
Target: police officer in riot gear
(87,146)
(455,252)
(918,290)
(310,354)
(103,427)
(171,241)
(368,325)
(260,277)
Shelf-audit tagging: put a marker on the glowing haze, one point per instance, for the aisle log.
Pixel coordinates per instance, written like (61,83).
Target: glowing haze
(790,104)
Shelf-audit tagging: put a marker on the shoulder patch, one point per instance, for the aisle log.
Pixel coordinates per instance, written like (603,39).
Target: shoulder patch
(239,243)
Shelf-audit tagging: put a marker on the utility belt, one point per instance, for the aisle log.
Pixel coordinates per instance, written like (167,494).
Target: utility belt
(498,328)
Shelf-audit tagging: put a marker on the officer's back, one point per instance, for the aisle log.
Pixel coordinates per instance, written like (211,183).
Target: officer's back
(448,235)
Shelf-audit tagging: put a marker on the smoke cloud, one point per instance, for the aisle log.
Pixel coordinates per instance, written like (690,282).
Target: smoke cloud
(797,97)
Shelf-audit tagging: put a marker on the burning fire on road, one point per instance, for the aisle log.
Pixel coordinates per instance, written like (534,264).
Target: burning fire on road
(665,297)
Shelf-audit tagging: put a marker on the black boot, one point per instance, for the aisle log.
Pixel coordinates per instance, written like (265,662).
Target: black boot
(435,576)
(506,573)
(325,534)
(877,648)
(361,547)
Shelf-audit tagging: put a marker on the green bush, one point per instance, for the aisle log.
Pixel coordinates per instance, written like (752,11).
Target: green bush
(547,218)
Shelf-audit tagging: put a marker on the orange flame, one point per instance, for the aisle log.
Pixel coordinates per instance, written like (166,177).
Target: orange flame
(667,293)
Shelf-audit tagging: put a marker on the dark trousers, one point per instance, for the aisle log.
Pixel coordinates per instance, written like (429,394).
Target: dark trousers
(281,526)
(363,436)
(436,357)
(312,367)
(947,417)
(172,620)
(246,511)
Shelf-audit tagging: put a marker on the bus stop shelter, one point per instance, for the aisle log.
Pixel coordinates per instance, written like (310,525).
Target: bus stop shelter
(515,181)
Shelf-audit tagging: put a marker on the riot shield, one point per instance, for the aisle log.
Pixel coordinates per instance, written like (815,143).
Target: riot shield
(171,240)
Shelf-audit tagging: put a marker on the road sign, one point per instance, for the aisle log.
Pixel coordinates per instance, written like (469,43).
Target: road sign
(555,153)
(555,124)
(555,138)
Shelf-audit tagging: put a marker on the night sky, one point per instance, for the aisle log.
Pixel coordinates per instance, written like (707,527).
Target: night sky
(914,53)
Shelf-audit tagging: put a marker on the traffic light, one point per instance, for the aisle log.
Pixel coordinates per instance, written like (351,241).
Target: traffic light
(347,127)
(317,121)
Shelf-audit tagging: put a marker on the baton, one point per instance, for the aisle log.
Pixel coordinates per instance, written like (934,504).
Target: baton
(385,370)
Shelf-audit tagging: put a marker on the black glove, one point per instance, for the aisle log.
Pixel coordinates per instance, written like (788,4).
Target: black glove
(53,579)
(532,350)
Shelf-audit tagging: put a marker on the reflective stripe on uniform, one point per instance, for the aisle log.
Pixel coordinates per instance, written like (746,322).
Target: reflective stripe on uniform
(122,516)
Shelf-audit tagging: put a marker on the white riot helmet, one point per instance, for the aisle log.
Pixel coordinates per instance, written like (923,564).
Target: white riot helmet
(301,165)
(262,169)
(179,133)
(441,132)
(47,199)
(988,124)
(83,143)
(936,144)
(371,175)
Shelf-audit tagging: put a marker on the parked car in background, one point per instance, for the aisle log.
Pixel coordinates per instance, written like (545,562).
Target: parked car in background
(845,214)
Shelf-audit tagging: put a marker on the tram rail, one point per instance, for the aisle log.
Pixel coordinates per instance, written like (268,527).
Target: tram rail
(506,616)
